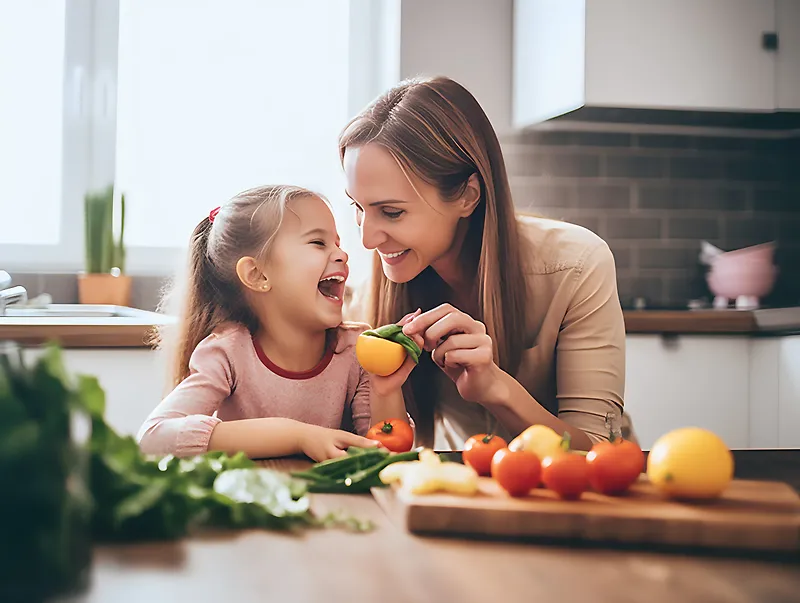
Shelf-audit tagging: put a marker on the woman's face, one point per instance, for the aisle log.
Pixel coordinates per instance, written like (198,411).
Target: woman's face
(402,217)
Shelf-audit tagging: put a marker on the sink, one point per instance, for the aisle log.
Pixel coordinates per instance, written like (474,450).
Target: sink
(12,312)
(74,313)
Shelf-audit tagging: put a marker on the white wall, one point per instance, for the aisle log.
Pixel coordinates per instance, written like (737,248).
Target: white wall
(469,41)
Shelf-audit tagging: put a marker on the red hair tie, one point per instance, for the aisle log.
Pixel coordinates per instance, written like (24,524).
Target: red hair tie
(213,214)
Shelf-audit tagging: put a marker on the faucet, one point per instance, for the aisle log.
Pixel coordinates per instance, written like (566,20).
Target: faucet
(10,295)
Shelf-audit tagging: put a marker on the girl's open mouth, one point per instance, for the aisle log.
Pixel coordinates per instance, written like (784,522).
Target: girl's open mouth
(332,287)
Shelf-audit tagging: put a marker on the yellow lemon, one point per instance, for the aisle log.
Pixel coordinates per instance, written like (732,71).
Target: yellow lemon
(379,356)
(690,462)
(539,439)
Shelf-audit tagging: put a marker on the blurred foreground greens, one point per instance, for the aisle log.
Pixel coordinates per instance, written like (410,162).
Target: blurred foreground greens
(67,480)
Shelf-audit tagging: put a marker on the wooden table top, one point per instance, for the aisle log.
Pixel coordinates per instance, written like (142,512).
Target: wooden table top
(388,565)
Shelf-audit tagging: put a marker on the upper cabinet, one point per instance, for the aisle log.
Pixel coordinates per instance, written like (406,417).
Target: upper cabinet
(706,55)
(787,58)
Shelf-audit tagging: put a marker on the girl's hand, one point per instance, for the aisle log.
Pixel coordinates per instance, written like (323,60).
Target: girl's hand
(322,443)
(384,386)
(460,346)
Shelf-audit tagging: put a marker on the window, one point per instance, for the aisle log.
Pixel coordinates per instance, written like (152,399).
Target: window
(31,99)
(182,104)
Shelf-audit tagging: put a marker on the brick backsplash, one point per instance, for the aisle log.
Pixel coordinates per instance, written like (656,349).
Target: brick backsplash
(655,197)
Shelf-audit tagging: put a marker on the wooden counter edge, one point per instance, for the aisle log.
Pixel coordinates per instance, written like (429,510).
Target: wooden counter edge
(79,336)
(689,322)
(135,336)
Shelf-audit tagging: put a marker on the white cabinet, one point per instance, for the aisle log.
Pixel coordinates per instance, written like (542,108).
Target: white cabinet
(133,380)
(659,54)
(789,392)
(688,380)
(745,389)
(764,392)
(775,392)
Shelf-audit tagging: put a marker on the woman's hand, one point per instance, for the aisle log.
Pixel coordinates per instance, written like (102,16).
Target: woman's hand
(460,346)
(322,443)
(384,386)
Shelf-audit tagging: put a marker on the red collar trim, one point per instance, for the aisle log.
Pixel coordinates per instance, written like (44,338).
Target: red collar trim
(281,372)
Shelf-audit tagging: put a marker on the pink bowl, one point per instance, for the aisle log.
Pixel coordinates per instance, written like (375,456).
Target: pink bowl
(758,254)
(732,283)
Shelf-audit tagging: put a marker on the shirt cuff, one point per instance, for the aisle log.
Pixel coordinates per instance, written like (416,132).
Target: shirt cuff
(195,435)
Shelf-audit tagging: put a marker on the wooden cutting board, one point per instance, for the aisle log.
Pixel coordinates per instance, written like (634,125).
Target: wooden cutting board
(751,515)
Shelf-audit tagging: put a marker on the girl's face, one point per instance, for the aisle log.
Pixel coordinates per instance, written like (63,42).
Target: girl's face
(402,217)
(306,269)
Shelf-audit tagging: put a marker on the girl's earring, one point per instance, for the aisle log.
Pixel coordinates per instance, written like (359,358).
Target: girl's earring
(265,287)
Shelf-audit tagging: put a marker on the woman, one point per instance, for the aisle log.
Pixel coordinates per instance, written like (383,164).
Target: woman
(521,314)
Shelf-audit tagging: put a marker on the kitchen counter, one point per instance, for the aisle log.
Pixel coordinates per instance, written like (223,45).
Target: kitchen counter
(133,329)
(774,321)
(389,565)
(73,327)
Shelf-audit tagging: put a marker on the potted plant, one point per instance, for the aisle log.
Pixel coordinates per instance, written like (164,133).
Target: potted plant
(104,281)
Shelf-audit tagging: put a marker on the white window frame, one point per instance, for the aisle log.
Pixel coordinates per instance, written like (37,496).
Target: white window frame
(89,121)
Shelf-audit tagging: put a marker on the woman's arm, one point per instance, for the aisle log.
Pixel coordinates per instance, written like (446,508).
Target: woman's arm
(517,410)
(590,372)
(591,358)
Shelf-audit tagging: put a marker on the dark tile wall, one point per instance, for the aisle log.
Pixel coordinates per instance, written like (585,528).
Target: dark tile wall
(654,198)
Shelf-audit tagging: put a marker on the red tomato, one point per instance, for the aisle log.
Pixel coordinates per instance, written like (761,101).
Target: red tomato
(479,450)
(566,474)
(517,472)
(395,435)
(614,466)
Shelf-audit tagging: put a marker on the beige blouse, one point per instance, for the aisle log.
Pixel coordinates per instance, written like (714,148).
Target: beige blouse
(575,362)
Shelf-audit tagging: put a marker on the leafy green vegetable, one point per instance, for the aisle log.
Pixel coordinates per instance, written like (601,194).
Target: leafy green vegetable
(137,497)
(395,333)
(69,479)
(45,509)
(146,498)
(355,473)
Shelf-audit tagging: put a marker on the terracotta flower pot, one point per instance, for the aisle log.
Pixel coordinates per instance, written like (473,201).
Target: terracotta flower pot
(104,289)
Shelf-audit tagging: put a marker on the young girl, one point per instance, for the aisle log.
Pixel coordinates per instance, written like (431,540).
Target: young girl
(263,363)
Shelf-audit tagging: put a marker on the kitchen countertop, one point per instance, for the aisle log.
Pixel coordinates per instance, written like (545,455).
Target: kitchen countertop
(389,565)
(127,328)
(773,321)
(134,330)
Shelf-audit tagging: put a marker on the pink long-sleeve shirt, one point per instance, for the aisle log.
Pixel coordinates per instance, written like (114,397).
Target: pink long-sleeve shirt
(231,378)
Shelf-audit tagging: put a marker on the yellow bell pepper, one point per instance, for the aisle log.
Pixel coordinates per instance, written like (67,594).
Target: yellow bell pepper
(430,474)
(540,440)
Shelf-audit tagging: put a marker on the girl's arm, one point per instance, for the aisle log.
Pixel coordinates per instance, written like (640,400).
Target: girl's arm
(275,436)
(385,404)
(183,424)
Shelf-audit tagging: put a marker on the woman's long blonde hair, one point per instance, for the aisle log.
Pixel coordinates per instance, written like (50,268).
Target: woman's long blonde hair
(436,130)
(211,293)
